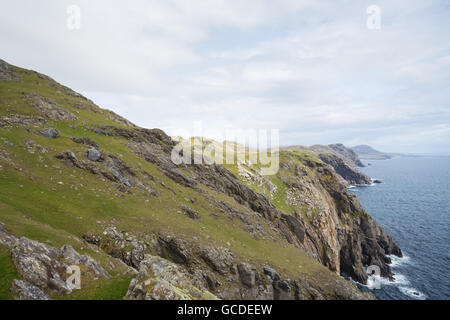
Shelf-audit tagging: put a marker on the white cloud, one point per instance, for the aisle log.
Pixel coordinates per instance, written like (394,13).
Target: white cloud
(310,68)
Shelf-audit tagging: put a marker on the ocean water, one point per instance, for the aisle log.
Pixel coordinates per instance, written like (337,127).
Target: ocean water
(413,205)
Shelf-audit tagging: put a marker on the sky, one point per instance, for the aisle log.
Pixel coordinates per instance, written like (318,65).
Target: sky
(315,70)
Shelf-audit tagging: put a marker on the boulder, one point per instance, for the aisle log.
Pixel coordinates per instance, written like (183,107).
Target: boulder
(94,155)
(271,273)
(282,290)
(39,265)
(218,258)
(73,257)
(43,266)
(247,274)
(50,133)
(160,279)
(23,290)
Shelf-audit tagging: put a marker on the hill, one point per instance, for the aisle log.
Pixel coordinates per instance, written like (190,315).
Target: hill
(367,152)
(80,185)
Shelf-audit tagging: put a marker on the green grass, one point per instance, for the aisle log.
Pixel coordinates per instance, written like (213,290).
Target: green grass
(34,204)
(7,274)
(102,289)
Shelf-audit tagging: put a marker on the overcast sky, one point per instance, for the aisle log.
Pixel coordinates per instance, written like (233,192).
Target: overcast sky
(312,69)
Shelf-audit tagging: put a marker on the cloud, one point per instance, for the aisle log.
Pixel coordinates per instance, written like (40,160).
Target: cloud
(309,68)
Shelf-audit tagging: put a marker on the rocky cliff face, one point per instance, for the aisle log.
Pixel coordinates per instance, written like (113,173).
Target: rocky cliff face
(349,174)
(73,171)
(349,156)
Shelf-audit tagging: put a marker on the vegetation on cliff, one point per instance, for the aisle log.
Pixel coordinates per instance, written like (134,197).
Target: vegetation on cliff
(75,174)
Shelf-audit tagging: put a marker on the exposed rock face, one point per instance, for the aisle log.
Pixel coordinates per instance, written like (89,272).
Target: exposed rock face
(191,213)
(21,120)
(43,266)
(367,152)
(159,279)
(121,245)
(220,259)
(349,155)
(335,229)
(7,72)
(50,133)
(23,290)
(248,274)
(85,141)
(49,108)
(176,249)
(352,176)
(94,155)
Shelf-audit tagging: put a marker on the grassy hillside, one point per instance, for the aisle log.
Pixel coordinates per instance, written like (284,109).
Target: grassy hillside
(45,199)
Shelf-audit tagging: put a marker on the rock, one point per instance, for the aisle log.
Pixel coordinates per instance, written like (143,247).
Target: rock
(377,181)
(39,265)
(352,176)
(9,143)
(160,279)
(44,266)
(282,290)
(85,141)
(7,72)
(50,133)
(247,274)
(69,158)
(218,258)
(130,250)
(191,213)
(94,155)
(73,257)
(271,273)
(23,290)
(176,249)
(48,108)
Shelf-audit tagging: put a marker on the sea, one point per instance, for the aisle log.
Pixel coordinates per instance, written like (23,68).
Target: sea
(413,205)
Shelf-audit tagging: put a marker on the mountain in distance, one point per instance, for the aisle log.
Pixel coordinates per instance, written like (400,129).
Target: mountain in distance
(83,186)
(367,152)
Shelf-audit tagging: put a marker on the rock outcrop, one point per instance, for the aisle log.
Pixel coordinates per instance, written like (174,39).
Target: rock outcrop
(193,231)
(349,174)
(159,279)
(44,269)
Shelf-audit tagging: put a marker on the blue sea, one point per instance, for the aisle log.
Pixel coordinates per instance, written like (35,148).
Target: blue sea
(413,205)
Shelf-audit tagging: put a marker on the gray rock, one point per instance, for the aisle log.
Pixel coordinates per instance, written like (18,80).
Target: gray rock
(175,249)
(44,266)
(247,274)
(73,257)
(282,290)
(160,279)
(271,273)
(127,182)
(9,143)
(94,155)
(191,213)
(50,133)
(23,290)
(7,72)
(220,259)
(39,265)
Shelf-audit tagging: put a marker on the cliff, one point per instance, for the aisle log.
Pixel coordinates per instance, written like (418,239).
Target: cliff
(83,179)
(367,152)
